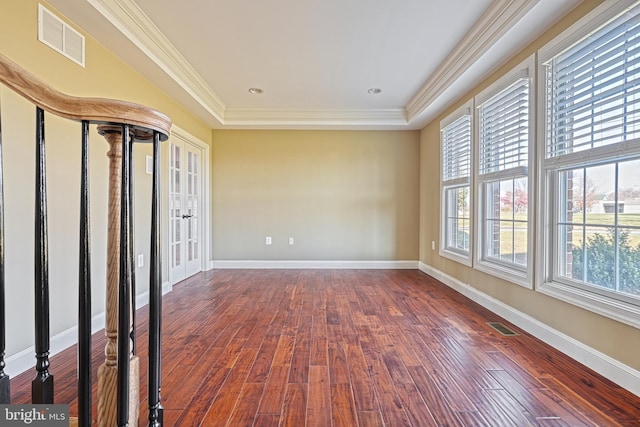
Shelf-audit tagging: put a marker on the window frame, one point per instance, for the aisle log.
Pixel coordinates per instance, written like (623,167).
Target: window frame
(445,250)
(520,275)
(615,305)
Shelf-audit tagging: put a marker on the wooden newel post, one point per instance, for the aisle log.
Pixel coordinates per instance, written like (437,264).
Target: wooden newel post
(108,371)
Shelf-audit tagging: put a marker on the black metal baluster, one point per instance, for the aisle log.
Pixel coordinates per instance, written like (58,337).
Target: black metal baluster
(5,390)
(84,290)
(124,287)
(155,296)
(42,385)
(132,246)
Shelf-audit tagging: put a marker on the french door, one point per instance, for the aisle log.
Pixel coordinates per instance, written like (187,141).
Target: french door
(185,210)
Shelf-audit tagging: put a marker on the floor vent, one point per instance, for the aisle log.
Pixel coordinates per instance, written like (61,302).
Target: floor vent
(58,35)
(502,329)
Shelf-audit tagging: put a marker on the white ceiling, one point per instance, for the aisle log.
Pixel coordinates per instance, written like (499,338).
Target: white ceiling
(314,60)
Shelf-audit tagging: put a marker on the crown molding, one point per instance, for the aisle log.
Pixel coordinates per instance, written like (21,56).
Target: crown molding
(494,23)
(129,19)
(134,24)
(276,117)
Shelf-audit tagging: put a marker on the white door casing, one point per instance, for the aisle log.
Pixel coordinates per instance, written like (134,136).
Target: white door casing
(188,205)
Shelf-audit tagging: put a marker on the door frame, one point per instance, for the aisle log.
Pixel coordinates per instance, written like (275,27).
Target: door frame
(183,136)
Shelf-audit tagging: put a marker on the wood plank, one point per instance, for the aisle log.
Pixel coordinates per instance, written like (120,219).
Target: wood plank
(361,384)
(435,401)
(370,419)
(227,396)
(338,368)
(349,347)
(403,345)
(319,343)
(244,413)
(569,416)
(295,405)
(343,410)
(576,403)
(284,350)
(390,405)
(262,365)
(299,372)
(267,420)
(414,406)
(274,391)
(525,396)
(319,400)
(514,410)
(198,407)
(440,372)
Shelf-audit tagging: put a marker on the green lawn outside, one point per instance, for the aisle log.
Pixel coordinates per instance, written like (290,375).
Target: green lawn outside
(624,219)
(599,222)
(520,242)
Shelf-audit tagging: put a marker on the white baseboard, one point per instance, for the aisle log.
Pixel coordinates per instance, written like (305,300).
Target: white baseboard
(240,264)
(166,288)
(610,368)
(24,360)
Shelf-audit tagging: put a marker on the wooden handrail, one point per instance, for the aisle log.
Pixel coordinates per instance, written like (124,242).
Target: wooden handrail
(121,123)
(94,110)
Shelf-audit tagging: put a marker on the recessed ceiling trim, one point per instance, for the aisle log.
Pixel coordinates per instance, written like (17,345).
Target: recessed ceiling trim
(129,19)
(315,117)
(494,23)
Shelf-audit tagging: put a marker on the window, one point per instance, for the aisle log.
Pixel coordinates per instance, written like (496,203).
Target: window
(504,135)
(455,234)
(591,164)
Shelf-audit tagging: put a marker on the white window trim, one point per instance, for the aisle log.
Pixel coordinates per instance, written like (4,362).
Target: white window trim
(520,276)
(462,258)
(617,307)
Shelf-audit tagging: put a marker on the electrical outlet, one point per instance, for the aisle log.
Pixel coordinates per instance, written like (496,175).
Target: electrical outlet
(267,240)
(141,260)
(433,245)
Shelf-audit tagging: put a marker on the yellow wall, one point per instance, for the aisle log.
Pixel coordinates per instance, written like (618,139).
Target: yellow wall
(104,76)
(342,195)
(614,339)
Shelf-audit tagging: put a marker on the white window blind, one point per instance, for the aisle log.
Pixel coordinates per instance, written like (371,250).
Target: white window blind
(593,89)
(504,129)
(456,150)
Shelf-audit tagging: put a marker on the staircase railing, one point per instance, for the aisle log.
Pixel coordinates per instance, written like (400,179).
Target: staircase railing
(122,124)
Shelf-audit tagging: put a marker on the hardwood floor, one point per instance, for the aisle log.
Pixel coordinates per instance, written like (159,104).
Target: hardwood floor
(348,348)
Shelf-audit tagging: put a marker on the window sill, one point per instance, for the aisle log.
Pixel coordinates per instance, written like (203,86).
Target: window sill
(456,256)
(515,276)
(620,311)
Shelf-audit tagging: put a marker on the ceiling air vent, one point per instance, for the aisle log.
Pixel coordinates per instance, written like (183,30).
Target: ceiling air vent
(58,35)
